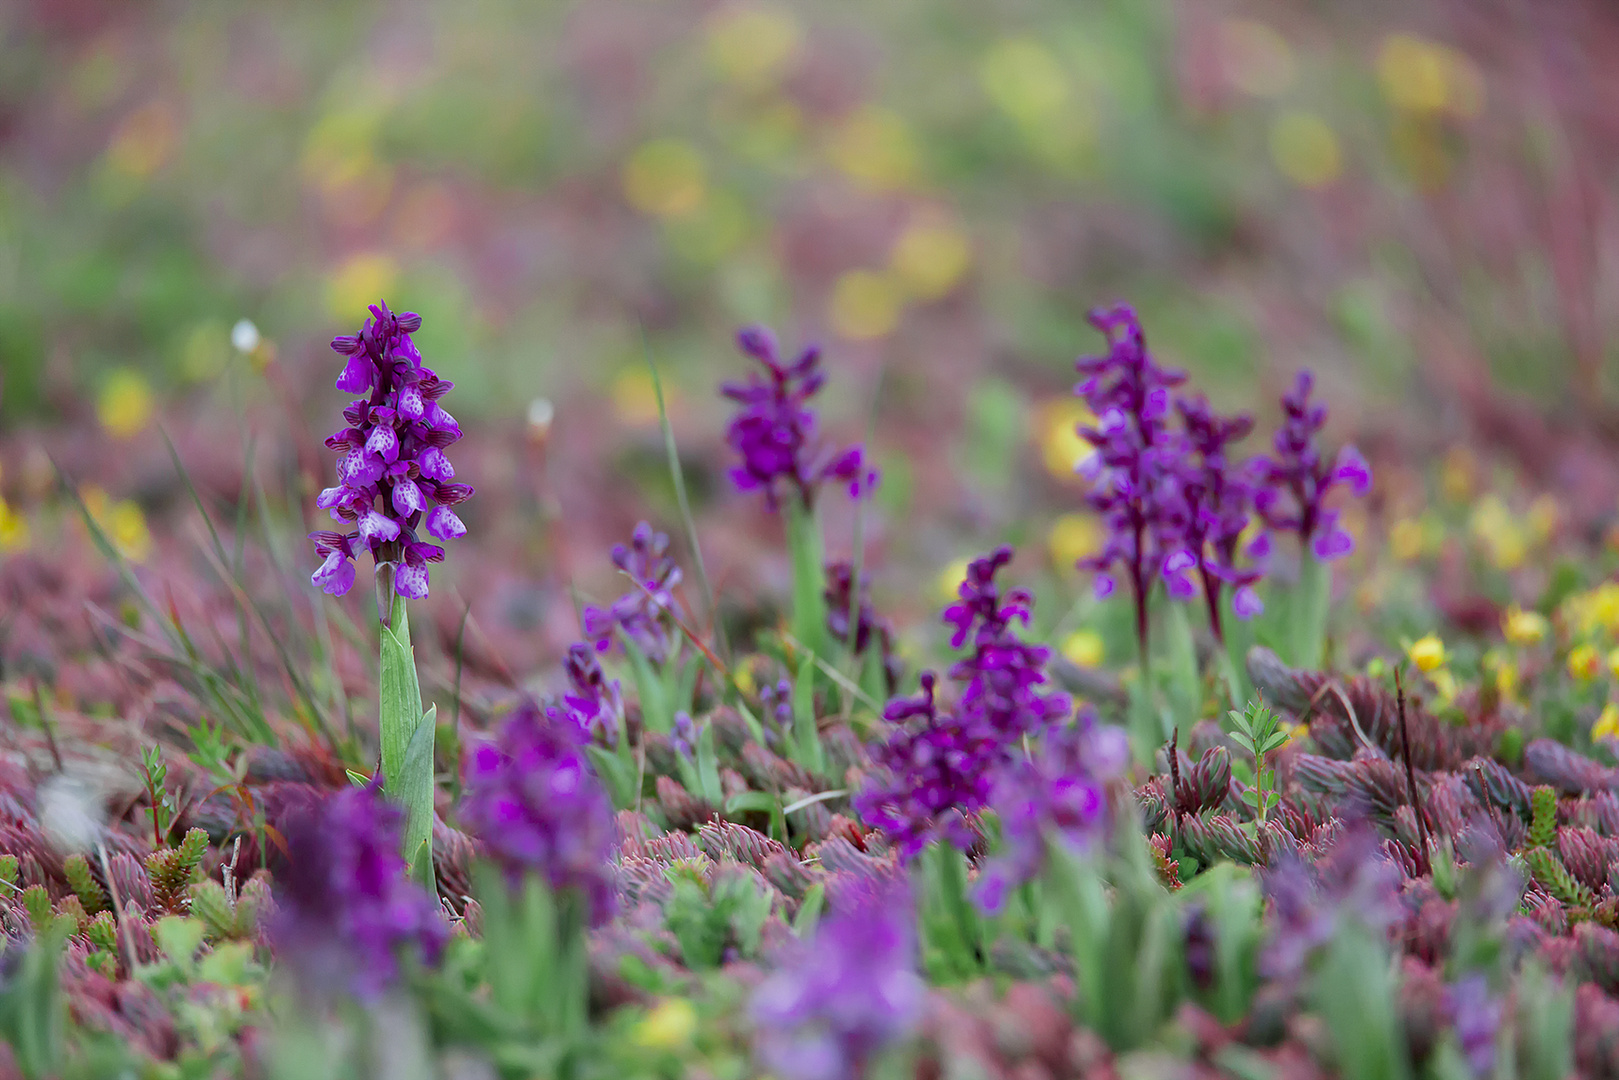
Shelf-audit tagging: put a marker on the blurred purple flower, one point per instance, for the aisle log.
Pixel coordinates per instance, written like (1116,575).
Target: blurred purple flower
(1135,485)
(773,430)
(392,476)
(1058,794)
(834,1002)
(1218,496)
(533,800)
(596,701)
(1476,1016)
(1354,880)
(1297,481)
(938,769)
(344,907)
(644,612)
(1002,675)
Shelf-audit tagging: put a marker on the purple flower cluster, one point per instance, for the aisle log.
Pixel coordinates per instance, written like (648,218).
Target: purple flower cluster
(345,909)
(1175,500)
(533,800)
(1133,471)
(596,702)
(643,613)
(940,767)
(1060,793)
(869,627)
(1002,675)
(1298,480)
(393,472)
(1218,499)
(833,1003)
(773,430)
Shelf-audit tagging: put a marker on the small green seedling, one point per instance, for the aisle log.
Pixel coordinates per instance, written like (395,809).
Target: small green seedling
(1258,730)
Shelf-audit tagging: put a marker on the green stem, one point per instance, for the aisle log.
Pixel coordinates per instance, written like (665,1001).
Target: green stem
(407,752)
(1309,611)
(809,576)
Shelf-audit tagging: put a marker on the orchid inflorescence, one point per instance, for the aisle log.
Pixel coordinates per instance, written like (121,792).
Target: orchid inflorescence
(1175,499)
(393,476)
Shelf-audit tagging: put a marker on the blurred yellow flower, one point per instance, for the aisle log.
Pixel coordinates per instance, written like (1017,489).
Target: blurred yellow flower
(1084,648)
(1073,537)
(123,523)
(13,529)
(866,304)
(126,404)
(1545,514)
(1607,725)
(1584,662)
(930,257)
(359,281)
(1423,76)
(1593,610)
(1061,445)
(669,1026)
(1503,540)
(1405,539)
(1524,627)
(1458,473)
(1444,684)
(1505,672)
(1427,652)
(145,141)
(949,584)
(666,178)
(1305,149)
(753,45)
(874,147)
(1255,58)
(1613,663)
(635,398)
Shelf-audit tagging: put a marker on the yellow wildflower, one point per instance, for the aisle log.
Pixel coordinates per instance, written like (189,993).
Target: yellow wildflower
(1524,627)
(1405,539)
(1444,683)
(125,405)
(1584,662)
(1428,653)
(1061,445)
(13,529)
(1084,648)
(866,304)
(1306,149)
(669,1026)
(1613,663)
(1073,537)
(1607,725)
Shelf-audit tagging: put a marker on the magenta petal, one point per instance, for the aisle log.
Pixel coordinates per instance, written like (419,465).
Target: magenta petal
(1352,469)
(407,497)
(1246,603)
(411,581)
(1103,586)
(335,576)
(443,523)
(356,376)
(374,526)
(1333,544)
(411,405)
(384,443)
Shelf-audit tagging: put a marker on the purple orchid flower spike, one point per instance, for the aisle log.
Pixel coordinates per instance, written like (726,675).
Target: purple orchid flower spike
(1298,481)
(346,911)
(533,800)
(643,613)
(774,429)
(1135,483)
(1218,501)
(393,477)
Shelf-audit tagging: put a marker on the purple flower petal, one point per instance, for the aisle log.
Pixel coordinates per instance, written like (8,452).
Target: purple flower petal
(1245,603)
(443,523)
